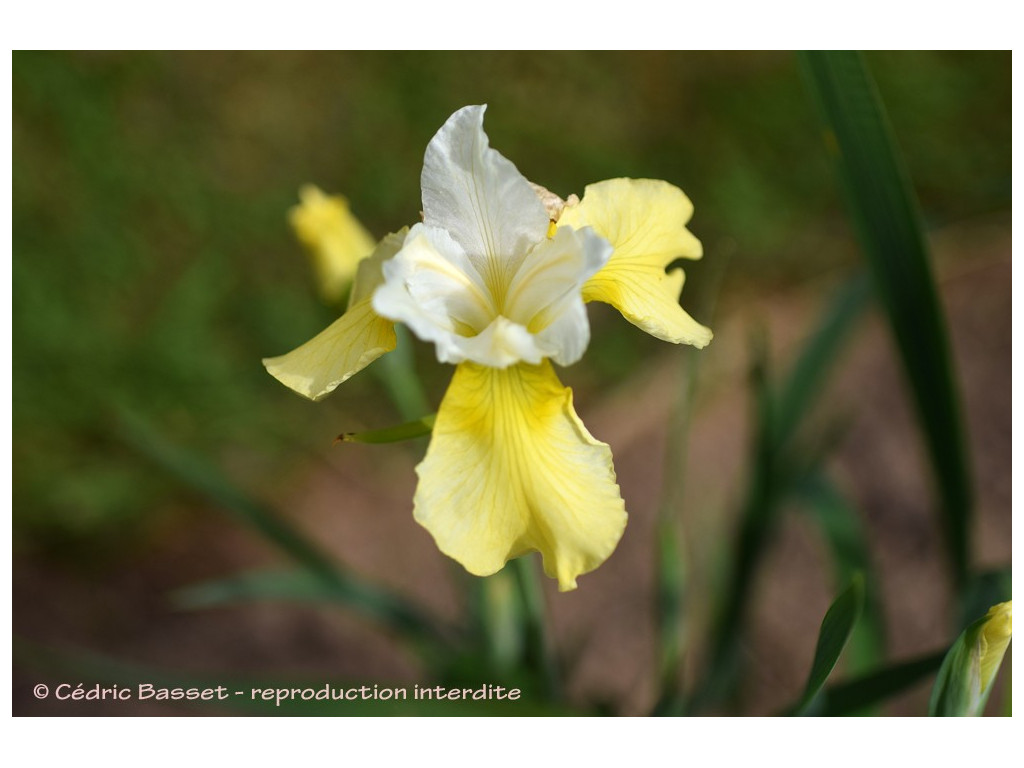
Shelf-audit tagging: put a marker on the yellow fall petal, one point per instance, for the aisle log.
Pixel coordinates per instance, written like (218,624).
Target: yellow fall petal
(337,353)
(334,238)
(511,468)
(351,342)
(644,220)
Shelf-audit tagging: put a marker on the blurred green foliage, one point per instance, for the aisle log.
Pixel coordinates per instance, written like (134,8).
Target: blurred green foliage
(883,208)
(153,266)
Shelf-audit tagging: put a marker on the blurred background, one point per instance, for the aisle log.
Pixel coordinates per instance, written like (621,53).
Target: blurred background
(153,267)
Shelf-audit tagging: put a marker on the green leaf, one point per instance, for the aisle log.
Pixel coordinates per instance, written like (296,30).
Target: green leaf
(777,465)
(407,431)
(306,586)
(853,696)
(289,586)
(835,631)
(884,210)
(671,572)
(807,377)
(984,590)
(965,679)
(845,537)
(758,521)
(671,599)
(201,476)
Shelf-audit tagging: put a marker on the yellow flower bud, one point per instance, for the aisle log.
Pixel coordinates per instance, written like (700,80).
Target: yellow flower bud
(335,239)
(993,639)
(969,669)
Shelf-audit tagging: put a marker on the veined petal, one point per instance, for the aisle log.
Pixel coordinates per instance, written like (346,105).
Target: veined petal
(502,343)
(335,239)
(546,292)
(337,353)
(347,345)
(479,196)
(644,220)
(431,286)
(510,469)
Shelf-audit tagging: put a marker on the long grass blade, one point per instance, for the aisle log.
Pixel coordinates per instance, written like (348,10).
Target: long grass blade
(845,537)
(835,631)
(758,520)
(984,590)
(202,477)
(305,586)
(806,379)
(884,210)
(672,565)
(862,693)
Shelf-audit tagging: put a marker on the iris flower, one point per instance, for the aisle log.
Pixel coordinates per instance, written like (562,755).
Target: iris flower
(497,276)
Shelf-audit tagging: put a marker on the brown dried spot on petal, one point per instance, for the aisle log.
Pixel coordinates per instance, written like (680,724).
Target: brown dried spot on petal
(553,204)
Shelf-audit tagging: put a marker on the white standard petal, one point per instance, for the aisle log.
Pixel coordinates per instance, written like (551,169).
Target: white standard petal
(431,286)
(546,296)
(502,343)
(480,198)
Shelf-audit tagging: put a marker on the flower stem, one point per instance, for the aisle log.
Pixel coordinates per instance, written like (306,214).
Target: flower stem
(539,652)
(397,372)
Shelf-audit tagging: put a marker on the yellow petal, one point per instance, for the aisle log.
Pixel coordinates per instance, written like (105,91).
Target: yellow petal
(351,342)
(644,220)
(334,238)
(344,348)
(511,468)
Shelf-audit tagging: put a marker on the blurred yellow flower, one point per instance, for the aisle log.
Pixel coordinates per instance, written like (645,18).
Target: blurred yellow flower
(335,239)
(497,276)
